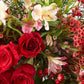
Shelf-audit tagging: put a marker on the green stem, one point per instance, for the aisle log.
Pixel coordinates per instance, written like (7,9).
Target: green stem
(47,2)
(9,25)
(44,53)
(45,33)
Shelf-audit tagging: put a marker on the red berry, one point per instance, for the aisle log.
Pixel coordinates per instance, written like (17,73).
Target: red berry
(57,81)
(60,77)
(45,71)
(76,8)
(79,79)
(78,13)
(78,0)
(40,72)
(82,1)
(73,10)
(74,14)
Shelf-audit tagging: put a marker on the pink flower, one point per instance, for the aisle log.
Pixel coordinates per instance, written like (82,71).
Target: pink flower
(55,64)
(66,42)
(81,73)
(27,26)
(64,20)
(38,25)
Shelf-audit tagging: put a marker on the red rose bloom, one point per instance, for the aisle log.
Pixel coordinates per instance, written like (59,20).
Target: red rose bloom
(9,56)
(3,80)
(5,76)
(23,75)
(30,44)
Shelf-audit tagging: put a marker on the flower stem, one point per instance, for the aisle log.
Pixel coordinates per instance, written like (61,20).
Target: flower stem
(44,54)
(9,25)
(47,2)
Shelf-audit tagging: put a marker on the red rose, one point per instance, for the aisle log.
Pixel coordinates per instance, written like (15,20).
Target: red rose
(3,80)
(9,56)
(23,75)
(30,44)
(5,76)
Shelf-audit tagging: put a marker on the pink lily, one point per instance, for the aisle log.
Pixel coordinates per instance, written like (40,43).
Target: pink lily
(28,26)
(38,25)
(55,64)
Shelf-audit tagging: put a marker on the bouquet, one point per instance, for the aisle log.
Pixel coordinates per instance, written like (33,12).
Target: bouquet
(41,42)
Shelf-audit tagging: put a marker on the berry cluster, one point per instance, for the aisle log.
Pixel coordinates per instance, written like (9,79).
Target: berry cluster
(78,30)
(81,79)
(82,1)
(43,73)
(76,12)
(74,25)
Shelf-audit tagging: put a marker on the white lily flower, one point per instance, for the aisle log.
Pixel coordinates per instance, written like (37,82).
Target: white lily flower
(3,14)
(46,14)
(36,13)
(46,25)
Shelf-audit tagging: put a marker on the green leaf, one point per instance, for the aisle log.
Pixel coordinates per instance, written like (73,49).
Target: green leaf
(7,32)
(37,80)
(75,49)
(49,82)
(29,15)
(39,2)
(43,34)
(73,75)
(14,29)
(70,5)
(30,61)
(51,1)
(47,2)
(67,46)
(53,23)
(32,0)
(58,32)
(59,3)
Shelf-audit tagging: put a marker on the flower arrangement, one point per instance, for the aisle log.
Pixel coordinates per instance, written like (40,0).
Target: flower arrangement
(41,41)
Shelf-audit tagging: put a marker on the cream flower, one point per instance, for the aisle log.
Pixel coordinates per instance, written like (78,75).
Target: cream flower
(3,14)
(47,13)
(36,13)
(28,3)
(49,40)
